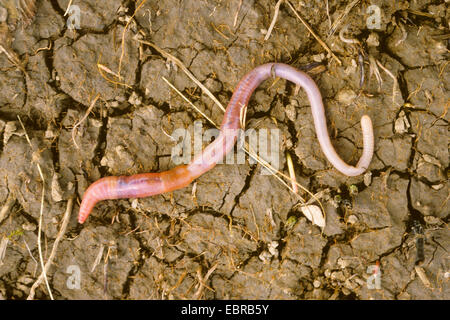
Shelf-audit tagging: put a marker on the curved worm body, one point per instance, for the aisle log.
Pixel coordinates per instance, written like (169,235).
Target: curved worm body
(148,184)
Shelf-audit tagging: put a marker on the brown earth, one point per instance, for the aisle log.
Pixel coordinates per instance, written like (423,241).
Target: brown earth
(245,227)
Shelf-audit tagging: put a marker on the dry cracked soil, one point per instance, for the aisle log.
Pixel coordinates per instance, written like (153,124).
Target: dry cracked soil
(234,233)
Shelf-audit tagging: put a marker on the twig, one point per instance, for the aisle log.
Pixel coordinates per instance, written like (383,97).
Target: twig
(84,117)
(41,213)
(61,233)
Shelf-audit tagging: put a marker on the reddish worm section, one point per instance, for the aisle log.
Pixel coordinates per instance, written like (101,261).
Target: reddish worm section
(149,184)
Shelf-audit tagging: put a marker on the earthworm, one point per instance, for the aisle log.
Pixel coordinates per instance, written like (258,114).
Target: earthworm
(148,184)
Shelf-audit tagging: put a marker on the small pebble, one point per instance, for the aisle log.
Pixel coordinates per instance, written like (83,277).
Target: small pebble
(367,178)
(352,219)
(346,96)
(316,283)
(373,40)
(135,99)
(3,14)
(28,226)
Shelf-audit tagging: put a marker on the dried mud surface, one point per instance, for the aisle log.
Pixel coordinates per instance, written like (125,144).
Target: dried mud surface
(244,227)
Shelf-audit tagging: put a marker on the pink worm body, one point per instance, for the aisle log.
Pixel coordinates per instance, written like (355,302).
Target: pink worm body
(148,184)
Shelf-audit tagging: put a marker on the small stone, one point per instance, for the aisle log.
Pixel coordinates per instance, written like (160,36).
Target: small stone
(3,14)
(318,57)
(265,256)
(28,226)
(351,69)
(10,129)
(291,113)
(316,283)
(343,263)
(114,104)
(432,220)
(49,133)
(350,284)
(401,123)
(104,161)
(135,99)
(352,219)
(337,275)
(120,98)
(346,291)
(213,85)
(437,186)
(272,246)
(353,190)
(373,40)
(327,273)
(367,178)
(346,96)
(430,159)
(56,192)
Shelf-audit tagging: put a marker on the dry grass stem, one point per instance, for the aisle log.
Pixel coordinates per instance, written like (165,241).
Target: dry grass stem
(41,213)
(394,87)
(423,277)
(123,36)
(291,172)
(98,258)
(68,8)
(185,70)
(274,19)
(328,14)
(188,101)
(84,118)
(323,44)
(237,14)
(202,281)
(339,20)
(102,68)
(344,39)
(62,231)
